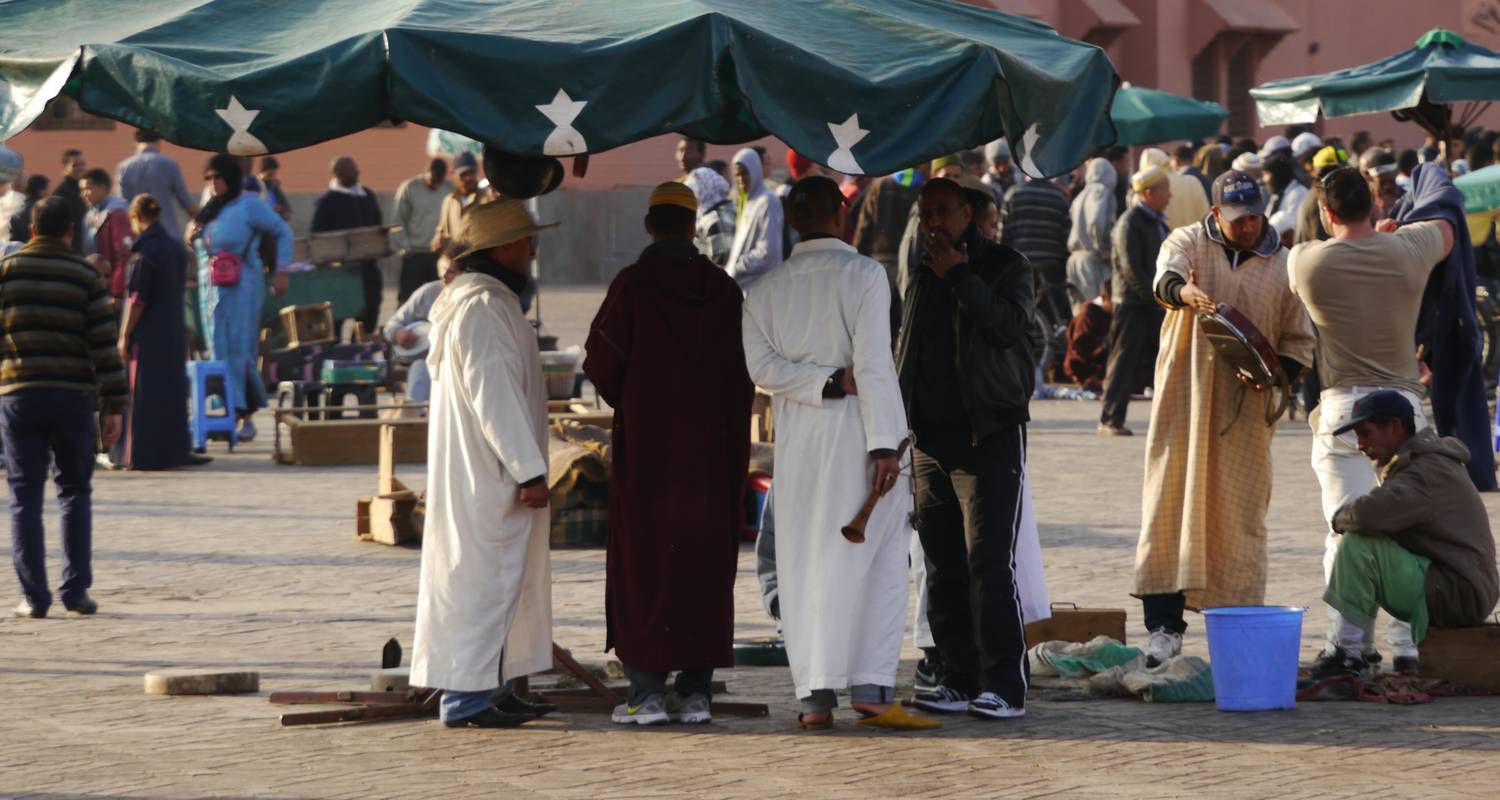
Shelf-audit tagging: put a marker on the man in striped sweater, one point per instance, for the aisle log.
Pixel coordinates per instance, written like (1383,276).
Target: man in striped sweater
(1034,222)
(58,366)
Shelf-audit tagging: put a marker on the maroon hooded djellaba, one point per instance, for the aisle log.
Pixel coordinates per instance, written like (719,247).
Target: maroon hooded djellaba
(666,352)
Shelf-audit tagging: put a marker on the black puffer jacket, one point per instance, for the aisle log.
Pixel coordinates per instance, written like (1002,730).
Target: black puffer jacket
(994,296)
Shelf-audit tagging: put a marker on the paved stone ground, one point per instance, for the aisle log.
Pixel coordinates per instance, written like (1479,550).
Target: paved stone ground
(252,565)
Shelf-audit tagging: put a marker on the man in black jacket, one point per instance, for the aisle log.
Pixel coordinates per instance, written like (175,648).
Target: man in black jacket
(347,205)
(967,374)
(1135,331)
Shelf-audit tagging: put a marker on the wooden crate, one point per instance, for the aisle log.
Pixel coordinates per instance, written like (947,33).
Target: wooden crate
(353,244)
(308,325)
(1467,657)
(1077,625)
(322,443)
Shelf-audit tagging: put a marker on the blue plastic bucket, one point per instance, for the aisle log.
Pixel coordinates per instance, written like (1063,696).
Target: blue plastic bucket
(1253,650)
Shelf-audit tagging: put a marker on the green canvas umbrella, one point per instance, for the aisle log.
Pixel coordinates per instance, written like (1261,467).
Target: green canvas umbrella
(1419,85)
(1481,189)
(1147,116)
(863,87)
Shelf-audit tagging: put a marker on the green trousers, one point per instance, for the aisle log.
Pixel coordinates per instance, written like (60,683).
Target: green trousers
(1371,573)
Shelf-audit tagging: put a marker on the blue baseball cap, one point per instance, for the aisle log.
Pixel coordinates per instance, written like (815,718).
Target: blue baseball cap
(1236,194)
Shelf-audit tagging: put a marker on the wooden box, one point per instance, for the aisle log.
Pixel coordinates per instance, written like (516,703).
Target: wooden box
(322,443)
(308,325)
(1467,657)
(354,244)
(1077,625)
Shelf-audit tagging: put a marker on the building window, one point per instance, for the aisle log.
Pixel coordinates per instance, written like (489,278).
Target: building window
(1241,79)
(1206,73)
(63,114)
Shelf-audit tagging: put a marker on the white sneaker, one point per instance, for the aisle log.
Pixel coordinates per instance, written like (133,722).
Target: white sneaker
(651,712)
(1163,645)
(988,705)
(692,710)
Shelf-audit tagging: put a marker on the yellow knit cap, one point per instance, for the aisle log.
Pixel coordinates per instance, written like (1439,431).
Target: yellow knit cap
(1147,178)
(673,193)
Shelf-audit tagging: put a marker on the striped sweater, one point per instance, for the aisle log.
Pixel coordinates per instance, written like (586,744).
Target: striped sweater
(57,325)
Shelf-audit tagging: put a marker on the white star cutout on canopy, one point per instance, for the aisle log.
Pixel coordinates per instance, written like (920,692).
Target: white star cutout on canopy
(847,135)
(1028,143)
(565,140)
(242,142)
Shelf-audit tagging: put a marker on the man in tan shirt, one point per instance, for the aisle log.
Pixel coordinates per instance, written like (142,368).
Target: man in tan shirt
(450,217)
(1363,289)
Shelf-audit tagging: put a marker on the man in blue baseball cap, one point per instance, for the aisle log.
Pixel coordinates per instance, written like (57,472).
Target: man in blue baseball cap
(1418,545)
(1208,449)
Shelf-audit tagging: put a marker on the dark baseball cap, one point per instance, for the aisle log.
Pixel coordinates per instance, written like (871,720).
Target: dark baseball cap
(465,162)
(1378,405)
(1236,194)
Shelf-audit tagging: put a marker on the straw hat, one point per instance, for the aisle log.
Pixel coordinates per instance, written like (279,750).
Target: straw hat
(495,224)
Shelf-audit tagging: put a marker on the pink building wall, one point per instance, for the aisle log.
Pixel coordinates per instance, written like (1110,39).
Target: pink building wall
(1154,52)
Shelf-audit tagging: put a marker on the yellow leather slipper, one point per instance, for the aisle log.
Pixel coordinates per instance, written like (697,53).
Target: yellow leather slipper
(896,718)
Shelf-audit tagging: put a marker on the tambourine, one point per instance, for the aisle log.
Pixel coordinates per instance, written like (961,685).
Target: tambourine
(1245,349)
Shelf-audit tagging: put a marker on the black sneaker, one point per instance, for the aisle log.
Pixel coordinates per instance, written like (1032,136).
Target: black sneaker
(1337,663)
(515,704)
(490,718)
(942,700)
(85,606)
(927,675)
(1407,665)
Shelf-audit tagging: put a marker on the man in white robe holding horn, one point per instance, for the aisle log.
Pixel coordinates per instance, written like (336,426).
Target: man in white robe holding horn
(817,339)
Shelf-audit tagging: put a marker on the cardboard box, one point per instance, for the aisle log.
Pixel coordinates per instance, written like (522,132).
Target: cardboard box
(1073,624)
(1466,657)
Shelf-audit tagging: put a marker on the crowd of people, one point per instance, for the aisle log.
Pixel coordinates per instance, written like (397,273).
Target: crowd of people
(893,323)
(184,275)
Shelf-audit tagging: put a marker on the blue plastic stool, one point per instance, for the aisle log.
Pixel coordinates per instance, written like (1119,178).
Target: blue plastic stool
(200,421)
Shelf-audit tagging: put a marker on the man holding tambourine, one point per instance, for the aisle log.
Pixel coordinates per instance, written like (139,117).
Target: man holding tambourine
(1234,338)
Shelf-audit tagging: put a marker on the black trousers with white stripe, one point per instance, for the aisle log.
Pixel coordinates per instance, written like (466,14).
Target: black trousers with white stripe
(968,510)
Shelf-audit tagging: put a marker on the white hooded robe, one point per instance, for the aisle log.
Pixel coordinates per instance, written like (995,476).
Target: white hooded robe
(758,231)
(486,573)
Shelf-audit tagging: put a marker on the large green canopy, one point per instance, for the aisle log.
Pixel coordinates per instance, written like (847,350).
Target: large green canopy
(1442,68)
(864,87)
(1147,116)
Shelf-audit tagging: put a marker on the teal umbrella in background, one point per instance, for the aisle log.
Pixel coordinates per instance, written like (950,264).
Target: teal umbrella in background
(1148,116)
(864,87)
(1481,190)
(1420,85)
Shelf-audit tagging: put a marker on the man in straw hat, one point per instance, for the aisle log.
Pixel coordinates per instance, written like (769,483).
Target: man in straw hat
(668,329)
(486,584)
(1136,325)
(817,338)
(1208,450)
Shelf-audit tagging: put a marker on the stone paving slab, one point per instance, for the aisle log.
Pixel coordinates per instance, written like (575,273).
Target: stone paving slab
(247,564)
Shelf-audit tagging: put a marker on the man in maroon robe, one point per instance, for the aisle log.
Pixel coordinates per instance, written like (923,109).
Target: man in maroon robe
(665,352)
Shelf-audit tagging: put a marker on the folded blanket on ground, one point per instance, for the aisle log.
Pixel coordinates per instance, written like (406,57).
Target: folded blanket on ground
(1103,667)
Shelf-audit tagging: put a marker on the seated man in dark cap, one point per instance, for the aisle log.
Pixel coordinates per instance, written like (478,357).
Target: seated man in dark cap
(1421,546)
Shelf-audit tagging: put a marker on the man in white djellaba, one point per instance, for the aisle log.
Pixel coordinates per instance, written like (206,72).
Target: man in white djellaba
(818,340)
(486,579)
